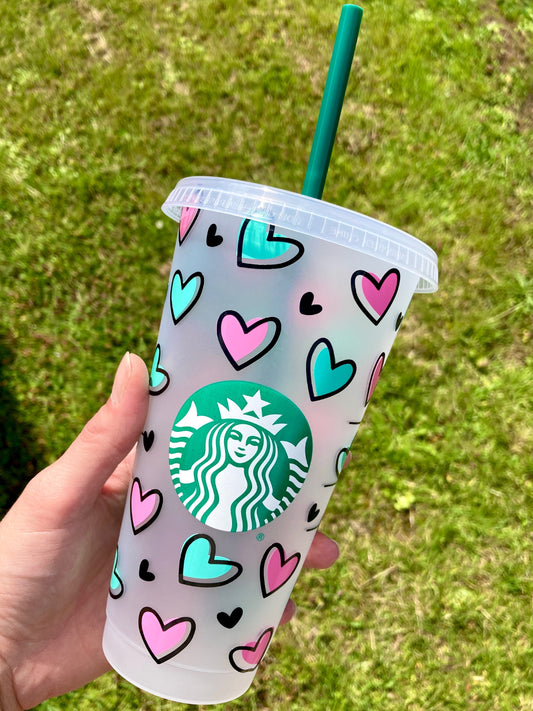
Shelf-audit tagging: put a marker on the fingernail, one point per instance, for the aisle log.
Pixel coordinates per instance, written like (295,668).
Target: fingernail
(122,377)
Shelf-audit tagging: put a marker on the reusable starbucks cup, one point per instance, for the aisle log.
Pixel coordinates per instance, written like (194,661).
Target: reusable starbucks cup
(280,314)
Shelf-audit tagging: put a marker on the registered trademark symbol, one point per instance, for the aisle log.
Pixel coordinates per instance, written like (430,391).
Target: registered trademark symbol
(260,537)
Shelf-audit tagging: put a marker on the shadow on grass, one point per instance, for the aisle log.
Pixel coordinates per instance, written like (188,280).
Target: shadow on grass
(20,455)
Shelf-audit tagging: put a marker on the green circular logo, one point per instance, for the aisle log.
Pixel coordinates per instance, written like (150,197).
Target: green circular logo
(239,454)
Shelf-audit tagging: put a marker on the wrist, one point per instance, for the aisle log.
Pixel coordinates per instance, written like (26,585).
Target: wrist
(8,697)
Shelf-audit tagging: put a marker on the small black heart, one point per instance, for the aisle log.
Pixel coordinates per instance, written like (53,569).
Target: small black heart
(307,307)
(399,321)
(312,513)
(148,439)
(212,239)
(230,620)
(144,573)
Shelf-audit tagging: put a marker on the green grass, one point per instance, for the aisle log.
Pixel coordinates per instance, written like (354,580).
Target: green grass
(105,105)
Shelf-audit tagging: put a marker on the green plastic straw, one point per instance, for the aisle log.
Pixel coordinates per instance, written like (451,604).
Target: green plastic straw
(331,106)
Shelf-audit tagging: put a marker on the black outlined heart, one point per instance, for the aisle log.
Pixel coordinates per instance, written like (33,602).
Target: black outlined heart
(144,573)
(144,506)
(260,247)
(277,568)
(399,321)
(340,461)
(307,305)
(373,295)
(189,215)
(116,585)
(184,293)
(229,620)
(245,342)
(374,377)
(312,513)
(164,639)
(200,566)
(212,239)
(159,378)
(247,657)
(148,440)
(325,375)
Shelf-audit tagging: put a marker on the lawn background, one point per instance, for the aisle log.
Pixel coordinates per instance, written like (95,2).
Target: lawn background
(105,106)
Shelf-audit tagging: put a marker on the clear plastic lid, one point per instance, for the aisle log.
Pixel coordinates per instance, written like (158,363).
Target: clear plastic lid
(309,216)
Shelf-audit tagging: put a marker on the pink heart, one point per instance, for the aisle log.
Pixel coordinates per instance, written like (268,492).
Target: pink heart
(188,217)
(239,340)
(247,657)
(164,639)
(144,507)
(375,295)
(244,342)
(376,372)
(275,569)
(253,655)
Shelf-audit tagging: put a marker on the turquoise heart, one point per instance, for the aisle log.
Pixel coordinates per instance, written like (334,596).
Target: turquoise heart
(329,378)
(159,378)
(115,580)
(198,563)
(256,246)
(200,566)
(116,586)
(184,294)
(156,376)
(260,247)
(325,377)
(341,459)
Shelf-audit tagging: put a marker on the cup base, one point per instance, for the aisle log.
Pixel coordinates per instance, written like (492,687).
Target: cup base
(170,681)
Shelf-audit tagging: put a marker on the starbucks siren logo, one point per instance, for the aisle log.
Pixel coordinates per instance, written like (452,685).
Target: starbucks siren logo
(239,453)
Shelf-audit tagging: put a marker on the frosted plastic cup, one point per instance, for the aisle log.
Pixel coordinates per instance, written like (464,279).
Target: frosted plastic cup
(279,317)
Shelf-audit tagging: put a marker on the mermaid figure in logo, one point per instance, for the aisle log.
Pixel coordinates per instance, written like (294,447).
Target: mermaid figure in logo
(241,477)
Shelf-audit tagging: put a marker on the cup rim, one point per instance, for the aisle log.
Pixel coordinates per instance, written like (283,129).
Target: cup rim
(310,216)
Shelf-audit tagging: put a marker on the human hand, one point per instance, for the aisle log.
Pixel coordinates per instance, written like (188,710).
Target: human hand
(58,543)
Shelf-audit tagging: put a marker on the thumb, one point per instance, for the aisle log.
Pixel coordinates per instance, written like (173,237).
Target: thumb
(80,473)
